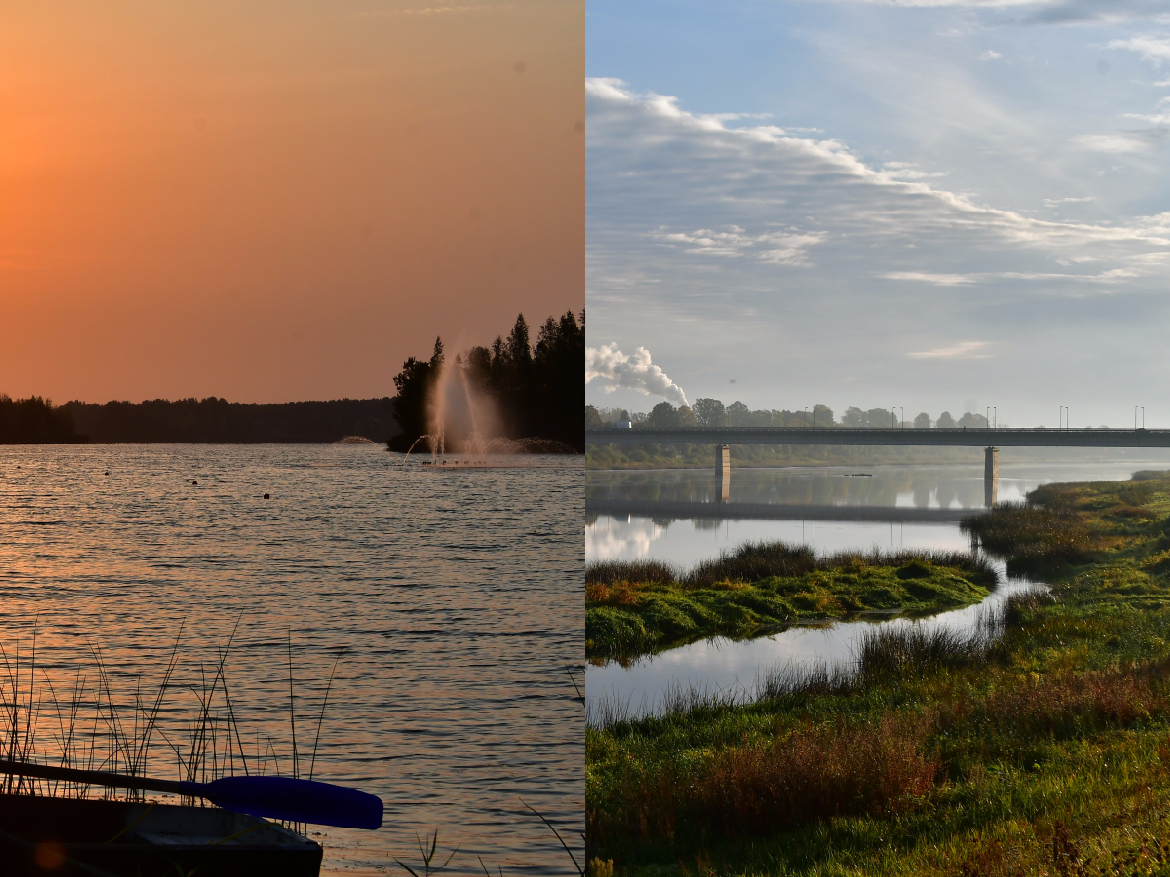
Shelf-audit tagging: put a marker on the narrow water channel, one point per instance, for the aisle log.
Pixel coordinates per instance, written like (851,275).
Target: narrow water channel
(733,669)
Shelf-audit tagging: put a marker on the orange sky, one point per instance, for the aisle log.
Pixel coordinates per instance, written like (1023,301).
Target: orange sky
(277,201)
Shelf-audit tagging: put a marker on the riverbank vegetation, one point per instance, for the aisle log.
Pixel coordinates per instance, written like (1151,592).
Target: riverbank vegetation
(639,607)
(1043,748)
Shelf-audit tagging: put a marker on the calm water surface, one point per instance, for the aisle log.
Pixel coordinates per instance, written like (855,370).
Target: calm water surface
(453,599)
(906,486)
(723,666)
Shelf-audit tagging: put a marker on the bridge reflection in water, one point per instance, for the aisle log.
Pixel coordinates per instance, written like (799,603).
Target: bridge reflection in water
(990,439)
(758,511)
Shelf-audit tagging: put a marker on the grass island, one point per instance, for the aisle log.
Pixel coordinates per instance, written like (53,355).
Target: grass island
(641,607)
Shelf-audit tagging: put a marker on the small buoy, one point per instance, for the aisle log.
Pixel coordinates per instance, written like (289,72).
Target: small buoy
(193,481)
(107,473)
(266,496)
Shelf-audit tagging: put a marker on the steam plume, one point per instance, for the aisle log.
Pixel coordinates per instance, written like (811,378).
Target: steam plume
(634,371)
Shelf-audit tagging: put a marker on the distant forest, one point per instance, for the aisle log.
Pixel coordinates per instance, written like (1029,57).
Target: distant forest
(215,420)
(538,389)
(713,413)
(35,421)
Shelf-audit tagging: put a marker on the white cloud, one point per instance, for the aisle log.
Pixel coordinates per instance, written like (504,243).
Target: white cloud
(1113,275)
(1116,143)
(990,55)
(784,247)
(962,350)
(1156,49)
(936,279)
(614,369)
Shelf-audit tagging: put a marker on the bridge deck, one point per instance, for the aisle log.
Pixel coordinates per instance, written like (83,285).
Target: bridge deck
(746,435)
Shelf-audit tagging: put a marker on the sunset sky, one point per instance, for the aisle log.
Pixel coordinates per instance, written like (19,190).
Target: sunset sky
(932,204)
(280,201)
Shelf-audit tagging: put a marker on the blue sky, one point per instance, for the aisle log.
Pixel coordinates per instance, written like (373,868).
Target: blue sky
(937,205)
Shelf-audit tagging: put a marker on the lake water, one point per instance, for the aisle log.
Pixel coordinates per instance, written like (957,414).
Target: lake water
(453,599)
(720,665)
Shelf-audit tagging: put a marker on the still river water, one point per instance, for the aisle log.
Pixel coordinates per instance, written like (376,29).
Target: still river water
(733,668)
(452,597)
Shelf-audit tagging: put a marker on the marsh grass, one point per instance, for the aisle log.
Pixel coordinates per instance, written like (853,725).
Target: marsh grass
(99,720)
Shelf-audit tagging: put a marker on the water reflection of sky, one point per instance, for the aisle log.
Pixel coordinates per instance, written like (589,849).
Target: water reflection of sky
(687,542)
(928,486)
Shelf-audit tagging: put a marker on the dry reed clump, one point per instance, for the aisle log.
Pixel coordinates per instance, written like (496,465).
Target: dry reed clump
(619,594)
(877,769)
(612,572)
(1058,704)
(809,775)
(1020,530)
(892,653)
(753,562)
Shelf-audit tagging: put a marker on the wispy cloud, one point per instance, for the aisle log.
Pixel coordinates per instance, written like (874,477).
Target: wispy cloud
(787,247)
(962,350)
(1151,48)
(1120,143)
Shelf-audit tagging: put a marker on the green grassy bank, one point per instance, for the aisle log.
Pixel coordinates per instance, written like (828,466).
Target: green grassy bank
(1040,745)
(639,607)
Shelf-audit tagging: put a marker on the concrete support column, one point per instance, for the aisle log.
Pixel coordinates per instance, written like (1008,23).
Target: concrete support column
(990,476)
(723,470)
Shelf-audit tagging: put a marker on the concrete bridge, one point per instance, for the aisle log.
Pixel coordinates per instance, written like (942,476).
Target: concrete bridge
(991,439)
(763,435)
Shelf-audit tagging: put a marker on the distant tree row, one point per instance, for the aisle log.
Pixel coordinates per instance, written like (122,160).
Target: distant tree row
(712,413)
(35,421)
(536,388)
(213,420)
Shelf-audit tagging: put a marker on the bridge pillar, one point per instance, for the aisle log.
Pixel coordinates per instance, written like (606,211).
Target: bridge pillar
(990,476)
(723,470)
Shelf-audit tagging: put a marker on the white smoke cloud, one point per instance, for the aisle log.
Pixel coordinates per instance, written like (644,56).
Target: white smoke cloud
(635,372)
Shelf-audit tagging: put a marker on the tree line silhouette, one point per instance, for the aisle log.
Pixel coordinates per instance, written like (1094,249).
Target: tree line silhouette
(35,421)
(538,389)
(713,413)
